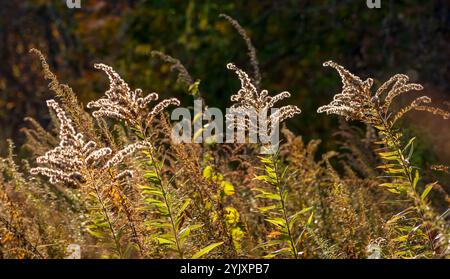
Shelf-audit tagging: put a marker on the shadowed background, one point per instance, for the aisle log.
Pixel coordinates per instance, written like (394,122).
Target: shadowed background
(292,38)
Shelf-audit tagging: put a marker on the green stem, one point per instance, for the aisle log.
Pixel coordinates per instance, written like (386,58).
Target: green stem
(168,206)
(407,170)
(283,206)
(163,190)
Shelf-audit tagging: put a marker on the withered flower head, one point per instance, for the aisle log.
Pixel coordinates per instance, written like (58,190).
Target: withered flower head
(249,99)
(357,102)
(124,104)
(73,157)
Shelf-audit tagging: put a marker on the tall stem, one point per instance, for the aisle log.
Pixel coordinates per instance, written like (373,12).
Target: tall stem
(168,206)
(142,132)
(280,189)
(106,216)
(389,134)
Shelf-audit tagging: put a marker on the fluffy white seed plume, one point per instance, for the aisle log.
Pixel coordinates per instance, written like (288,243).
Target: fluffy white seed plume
(126,152)
(97,155)
(67,162)
(122,103)
(248,101)
(124,174)
(356,101)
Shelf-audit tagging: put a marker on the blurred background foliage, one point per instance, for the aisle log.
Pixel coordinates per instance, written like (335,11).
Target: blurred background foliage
(292,38)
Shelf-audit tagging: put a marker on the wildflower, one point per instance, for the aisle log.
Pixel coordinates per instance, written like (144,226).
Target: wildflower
(249,100)
(124,174)
(124,104)
(96,155)
(357,102)
(125,152)
(68,162)
(64,162)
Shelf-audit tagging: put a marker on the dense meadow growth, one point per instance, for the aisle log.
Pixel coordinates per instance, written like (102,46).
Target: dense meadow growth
(107,180)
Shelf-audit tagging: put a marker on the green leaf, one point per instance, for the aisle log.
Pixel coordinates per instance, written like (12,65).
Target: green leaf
(394,171)
(267,208)
(264,178)
(297,215)
(197,134)
(426,191)
(193,88)
(197,117)
(310,218)
(410,142)
(267,195)
(95,233)
(184,233)
(270,243)
(386,166)
(157,224)
(183,207)
(152,178)
(269,256)
(163,241)
(394,191)
(394,185)
(206,250)
(411,150)
(153,192)
(416,179)
(388,154)
(279,222)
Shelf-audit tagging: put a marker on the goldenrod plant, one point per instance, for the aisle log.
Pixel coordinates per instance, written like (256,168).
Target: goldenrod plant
(418,230)
(110,178)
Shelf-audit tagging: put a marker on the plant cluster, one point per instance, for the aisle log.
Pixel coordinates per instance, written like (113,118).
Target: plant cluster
(110,179)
